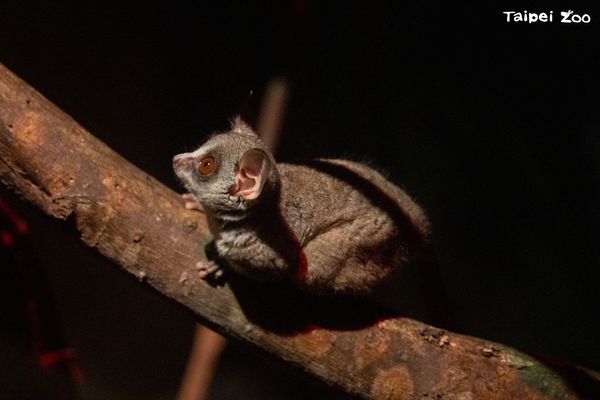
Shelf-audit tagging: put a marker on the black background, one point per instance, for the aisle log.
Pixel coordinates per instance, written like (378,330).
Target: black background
(491,126)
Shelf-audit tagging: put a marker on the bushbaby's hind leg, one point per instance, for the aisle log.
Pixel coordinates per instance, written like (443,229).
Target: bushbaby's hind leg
(207,269)
(360,276)
(343,266)
(332,266)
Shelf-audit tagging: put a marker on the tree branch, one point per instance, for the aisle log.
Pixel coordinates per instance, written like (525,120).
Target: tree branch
(141,225)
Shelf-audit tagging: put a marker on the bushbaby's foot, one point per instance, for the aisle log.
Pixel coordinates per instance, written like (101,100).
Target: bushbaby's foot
(191,202)
(210,272)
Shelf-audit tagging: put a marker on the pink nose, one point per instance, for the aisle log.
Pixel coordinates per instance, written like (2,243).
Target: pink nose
(183,162)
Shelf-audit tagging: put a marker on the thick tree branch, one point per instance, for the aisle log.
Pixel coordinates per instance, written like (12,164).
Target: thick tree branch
(141,225)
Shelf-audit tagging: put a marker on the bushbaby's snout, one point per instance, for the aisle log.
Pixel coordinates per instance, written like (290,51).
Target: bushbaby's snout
(183,163)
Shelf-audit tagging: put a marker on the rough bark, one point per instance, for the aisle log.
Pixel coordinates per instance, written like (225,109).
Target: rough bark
(142,226)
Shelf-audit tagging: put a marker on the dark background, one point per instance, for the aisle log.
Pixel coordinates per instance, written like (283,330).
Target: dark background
(491,126)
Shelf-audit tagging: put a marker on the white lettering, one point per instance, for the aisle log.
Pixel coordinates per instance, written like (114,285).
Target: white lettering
(565,16)
(533,18)
(569,17)
(508,13)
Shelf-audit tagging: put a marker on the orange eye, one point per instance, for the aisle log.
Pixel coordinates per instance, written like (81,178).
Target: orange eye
(207,165)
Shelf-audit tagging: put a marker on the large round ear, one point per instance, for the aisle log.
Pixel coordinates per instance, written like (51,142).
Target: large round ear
(251,174)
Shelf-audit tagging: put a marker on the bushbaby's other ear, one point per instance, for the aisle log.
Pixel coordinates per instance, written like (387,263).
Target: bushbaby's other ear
(238,125)
(251,174)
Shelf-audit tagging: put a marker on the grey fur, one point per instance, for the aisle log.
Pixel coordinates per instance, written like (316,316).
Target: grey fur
(354,227)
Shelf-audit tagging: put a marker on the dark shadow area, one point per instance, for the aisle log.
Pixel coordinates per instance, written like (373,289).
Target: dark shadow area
(280,307)
(284,309)
(36,361)
(578,379)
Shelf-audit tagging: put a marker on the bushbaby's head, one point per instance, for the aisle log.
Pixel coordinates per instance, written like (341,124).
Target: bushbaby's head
(230,172)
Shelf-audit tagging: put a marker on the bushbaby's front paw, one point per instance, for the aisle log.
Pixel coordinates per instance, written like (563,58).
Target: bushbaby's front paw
(191,202)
